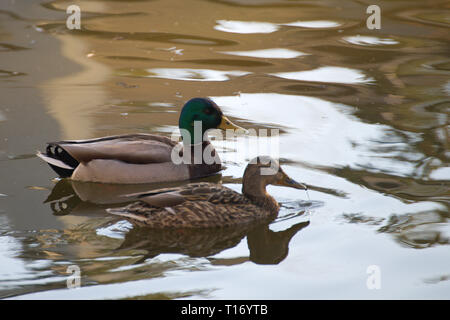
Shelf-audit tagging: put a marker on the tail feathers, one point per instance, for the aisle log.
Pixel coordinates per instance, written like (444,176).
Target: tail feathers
(124,213)
(53,161)
(59,166)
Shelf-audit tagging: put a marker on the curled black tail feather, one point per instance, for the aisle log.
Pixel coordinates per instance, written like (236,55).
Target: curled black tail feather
(54,151)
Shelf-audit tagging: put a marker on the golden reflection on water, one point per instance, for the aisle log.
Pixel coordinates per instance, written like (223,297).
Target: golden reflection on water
(71,97)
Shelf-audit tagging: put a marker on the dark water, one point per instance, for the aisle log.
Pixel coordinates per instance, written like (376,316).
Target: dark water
(363,120)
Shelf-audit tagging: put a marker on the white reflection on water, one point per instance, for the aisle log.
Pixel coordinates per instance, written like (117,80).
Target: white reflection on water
(115,231)
(323,133)
(313,24)
(245,26)
(327,74)
(10,267)
(446,88)
(14,272)
(194,74)
(275,53)
(319,130)
(440,174)
(371,41)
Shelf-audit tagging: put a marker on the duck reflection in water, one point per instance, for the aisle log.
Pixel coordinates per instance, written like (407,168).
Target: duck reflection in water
(265,246)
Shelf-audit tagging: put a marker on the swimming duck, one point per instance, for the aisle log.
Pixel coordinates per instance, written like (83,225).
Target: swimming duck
(208,205)
(143,158)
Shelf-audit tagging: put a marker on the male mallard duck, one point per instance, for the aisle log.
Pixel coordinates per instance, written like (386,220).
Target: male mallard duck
(142,158)
(208,205)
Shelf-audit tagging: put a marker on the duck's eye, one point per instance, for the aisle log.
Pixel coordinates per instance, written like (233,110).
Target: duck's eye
(208,111)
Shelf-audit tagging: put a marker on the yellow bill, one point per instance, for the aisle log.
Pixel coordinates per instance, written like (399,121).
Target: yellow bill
(227,124)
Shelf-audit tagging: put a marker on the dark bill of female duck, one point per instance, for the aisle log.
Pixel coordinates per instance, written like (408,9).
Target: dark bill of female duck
(287,181)
(139,158)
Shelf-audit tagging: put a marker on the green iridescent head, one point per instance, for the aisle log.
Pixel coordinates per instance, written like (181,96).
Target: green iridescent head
(204,114)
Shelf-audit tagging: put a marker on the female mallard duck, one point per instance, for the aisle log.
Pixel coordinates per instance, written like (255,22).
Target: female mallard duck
(142,158)
(207,205)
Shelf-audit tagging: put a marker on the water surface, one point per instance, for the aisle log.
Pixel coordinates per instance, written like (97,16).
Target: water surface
(363,121)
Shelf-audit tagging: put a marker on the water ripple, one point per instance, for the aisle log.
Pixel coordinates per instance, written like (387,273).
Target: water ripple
(245,26)
(274,53)
(327,74)
(369,41)
(185,74)
(313,24)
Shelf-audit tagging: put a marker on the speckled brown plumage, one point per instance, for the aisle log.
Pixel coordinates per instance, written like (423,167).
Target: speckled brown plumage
(208,205)
(205,205)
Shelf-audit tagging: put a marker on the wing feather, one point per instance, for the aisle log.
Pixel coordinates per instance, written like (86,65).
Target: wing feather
(138,149)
